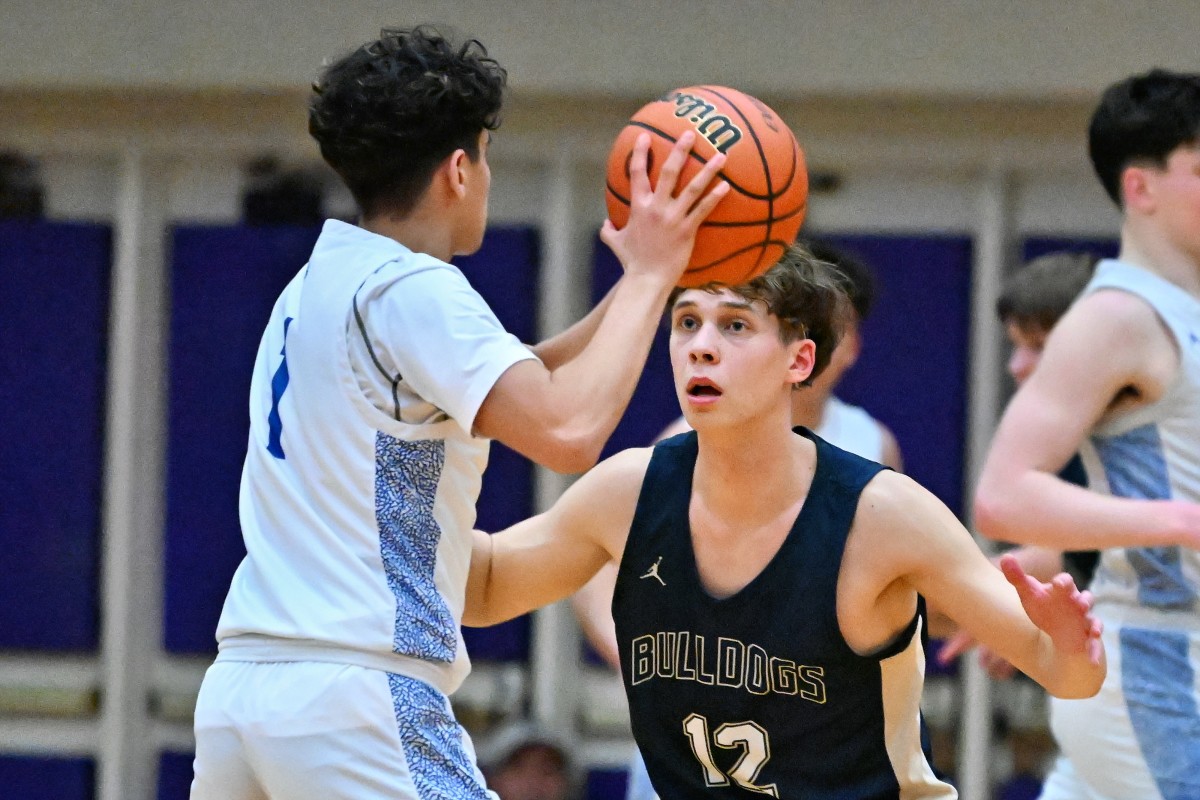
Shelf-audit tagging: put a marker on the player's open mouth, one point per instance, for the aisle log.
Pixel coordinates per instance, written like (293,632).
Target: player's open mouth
(703,387)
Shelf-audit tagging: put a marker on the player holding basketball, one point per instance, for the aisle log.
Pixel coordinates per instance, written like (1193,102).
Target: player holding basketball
(1120,381)
(379,381)
(768,603)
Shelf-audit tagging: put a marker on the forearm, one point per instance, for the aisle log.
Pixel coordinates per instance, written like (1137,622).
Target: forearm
(1038,508)
(532,564)
(593,389)
(475,604)
(562,347)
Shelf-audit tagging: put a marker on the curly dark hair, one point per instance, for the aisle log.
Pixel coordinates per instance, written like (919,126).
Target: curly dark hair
(1142,118)
(807,295)
(386,114)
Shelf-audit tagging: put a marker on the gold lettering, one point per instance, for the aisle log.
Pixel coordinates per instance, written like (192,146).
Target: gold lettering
(642,652)
(783,676)
(683,670)
(813,679)
(730,655)
(757,678)
(714,128)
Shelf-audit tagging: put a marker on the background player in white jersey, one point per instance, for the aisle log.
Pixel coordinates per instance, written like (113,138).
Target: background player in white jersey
(839,423)
(1119,381)
(817,407)
(756,541)
(379,381)
(1031,303)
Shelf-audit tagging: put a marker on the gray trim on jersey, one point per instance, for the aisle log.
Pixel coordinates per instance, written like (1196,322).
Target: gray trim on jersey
(362,329)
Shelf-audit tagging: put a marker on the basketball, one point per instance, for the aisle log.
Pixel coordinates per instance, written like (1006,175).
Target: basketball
(759,218)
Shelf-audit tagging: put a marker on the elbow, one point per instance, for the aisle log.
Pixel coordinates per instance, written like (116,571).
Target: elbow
(990,514)
(573,452)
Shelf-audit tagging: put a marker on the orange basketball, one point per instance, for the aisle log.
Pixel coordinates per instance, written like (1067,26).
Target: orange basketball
(751,227)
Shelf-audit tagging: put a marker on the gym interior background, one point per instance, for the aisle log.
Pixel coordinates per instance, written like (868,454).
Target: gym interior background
(158,188)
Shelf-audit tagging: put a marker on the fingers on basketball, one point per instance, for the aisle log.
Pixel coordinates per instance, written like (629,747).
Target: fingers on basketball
(750,226)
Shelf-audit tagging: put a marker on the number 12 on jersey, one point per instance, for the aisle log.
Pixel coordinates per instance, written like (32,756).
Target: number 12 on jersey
(749,736)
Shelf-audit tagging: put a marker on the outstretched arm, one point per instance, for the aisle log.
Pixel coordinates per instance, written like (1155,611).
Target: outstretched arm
(562,347)
(1043,563)
(550,556)
(904,535)
(1109,345)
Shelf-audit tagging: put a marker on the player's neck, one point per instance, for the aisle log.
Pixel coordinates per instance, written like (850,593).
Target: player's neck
(420,231)
(760,464)
(1144,246)
(808,406)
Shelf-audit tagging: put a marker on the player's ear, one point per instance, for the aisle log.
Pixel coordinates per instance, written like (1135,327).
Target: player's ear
(454,171)
(803,358)
(1137,188)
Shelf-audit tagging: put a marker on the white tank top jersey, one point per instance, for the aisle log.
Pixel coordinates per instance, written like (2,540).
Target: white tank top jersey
(360,481)
(852,429)
(1151,452)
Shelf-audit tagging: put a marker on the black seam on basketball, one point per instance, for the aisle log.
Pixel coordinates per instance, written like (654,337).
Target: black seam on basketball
(732,184)
(766,168)
(795,145)
(747,223)
(735,254)
(622,199)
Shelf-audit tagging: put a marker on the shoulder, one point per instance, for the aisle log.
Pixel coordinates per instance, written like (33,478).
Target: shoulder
(426,294)
(605,497)
(420,276)
(614,479)
(1114,313)
(892,502)
(890,492)
(903,527)
(1113,331)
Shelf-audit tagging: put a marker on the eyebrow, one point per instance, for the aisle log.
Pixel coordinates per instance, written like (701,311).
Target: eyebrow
(738,305)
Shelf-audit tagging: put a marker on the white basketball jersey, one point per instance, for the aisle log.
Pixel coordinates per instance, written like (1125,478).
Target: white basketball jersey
(359,487)
(852,429)
(1152,452)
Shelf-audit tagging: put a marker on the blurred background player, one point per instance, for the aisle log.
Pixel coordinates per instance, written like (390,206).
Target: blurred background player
(378,384)
(1031,303)
(1119,381)
(523,761)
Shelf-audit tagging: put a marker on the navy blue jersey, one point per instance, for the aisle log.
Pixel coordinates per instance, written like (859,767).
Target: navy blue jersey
(759,693)
(1080,563)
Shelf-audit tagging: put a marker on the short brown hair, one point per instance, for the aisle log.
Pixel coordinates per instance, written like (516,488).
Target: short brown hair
(807,295)
(1039,293)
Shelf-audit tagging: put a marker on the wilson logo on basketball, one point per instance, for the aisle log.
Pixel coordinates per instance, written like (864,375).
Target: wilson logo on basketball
(758,219)
(718,129)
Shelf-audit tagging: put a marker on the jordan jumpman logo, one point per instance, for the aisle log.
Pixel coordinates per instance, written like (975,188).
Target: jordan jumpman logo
(653,572)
